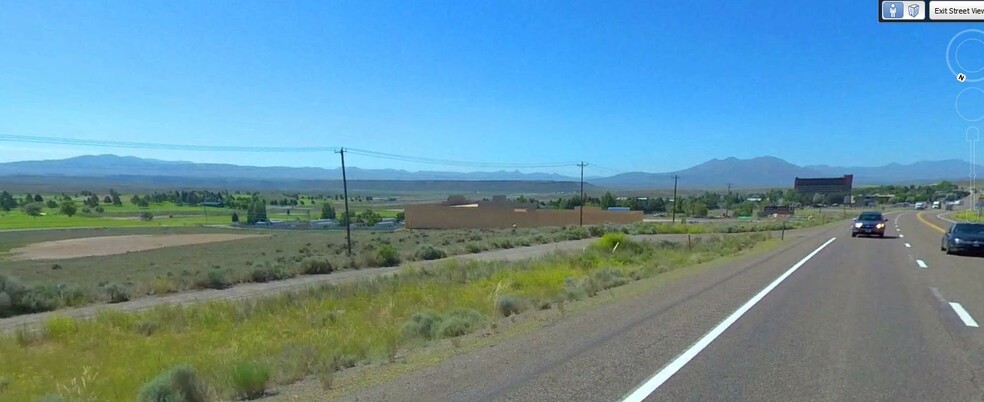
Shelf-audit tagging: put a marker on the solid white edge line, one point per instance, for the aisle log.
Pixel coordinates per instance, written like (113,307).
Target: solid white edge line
(907,245)
(650,386)
(940,216)
(922,264)
(964,315)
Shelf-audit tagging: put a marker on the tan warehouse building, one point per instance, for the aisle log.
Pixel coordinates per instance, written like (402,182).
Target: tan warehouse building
(458,213)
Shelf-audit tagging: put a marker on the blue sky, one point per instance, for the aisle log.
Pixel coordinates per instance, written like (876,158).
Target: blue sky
(652,86)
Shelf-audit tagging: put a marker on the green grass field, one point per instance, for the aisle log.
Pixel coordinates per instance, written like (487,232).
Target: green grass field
(967,216)
(321,330)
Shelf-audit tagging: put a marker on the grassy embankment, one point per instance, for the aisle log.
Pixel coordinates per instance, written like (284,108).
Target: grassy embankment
(282,339)
(967,216)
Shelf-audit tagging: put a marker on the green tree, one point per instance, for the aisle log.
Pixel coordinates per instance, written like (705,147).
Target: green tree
(607,200)
(116,198)
(51,204)
(68,207)
(369,218)
(107,200)
(817,198)
(400,216)
(256,212)
(235,217)
(38,198)
(7,201)
(698,209)
(327,211)
(34,209)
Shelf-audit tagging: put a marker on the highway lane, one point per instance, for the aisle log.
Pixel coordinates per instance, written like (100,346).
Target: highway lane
(860,320)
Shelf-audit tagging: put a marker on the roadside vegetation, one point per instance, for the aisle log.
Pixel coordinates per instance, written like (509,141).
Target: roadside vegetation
(967,216)
(226,350)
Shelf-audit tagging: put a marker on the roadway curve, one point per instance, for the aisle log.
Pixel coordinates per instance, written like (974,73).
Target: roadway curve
(860,320)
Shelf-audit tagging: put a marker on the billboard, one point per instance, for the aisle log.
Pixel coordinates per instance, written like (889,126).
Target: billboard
(824,185)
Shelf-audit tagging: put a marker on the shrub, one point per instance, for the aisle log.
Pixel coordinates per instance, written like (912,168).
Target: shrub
(574,290)
(267,272)
(429,252)
(179,384)
(508,305)
(423,324)
(609,278)
(473,248)
(609,240)
(146,216)
(313,266)
(388,256)
(596,231)
(250,379)
(459,322)
(117,293)
(38,299)
(215,279)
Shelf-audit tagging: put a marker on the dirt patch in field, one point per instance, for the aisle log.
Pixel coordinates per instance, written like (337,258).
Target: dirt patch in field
(109,245)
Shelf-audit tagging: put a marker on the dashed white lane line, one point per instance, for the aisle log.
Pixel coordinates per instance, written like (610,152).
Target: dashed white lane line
(922,264)
(907,245)
(901,236)
(964,315)
(650,386)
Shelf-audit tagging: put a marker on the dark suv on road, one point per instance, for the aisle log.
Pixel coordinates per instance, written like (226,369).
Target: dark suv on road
(963,237)
(869,224)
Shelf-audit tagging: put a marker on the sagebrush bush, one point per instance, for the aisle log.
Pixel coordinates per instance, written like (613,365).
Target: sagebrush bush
(459,322)
(596,231)
(609,278)
(314,266)
(267,272)
(429,252)
(508,305)
(118,293)
(474,248)
(423,324)
(388,256)
(179,384)
(214,279)
(250,379)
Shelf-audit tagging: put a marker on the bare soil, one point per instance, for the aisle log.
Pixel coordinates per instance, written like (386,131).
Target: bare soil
(110,245)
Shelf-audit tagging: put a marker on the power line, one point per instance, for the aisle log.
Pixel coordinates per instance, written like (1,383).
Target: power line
(265,149)
(157,145)
(449,162)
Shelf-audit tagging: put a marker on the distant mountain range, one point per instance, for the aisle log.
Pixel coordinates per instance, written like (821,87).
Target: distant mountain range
(760,172)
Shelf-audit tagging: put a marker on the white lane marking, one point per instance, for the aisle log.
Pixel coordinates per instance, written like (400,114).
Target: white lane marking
(897,219)
(940,216)
(936,292)
(964,315)
(901,235)
(922,264)
(907,245)
(650,386)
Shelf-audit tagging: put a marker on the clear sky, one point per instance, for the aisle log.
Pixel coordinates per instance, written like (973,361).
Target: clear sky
(648,85)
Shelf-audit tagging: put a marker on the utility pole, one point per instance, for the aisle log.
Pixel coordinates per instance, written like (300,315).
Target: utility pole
(675,178)
(727,203)
(348,218)
(581,219)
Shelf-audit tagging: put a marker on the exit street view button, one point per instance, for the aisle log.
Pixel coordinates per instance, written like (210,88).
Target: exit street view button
(902,11)
(956,10)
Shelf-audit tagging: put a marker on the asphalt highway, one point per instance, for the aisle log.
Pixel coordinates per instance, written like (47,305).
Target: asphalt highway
(823,317)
